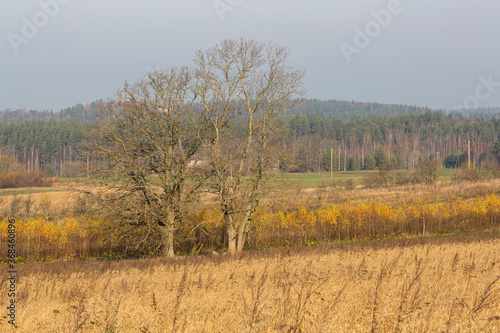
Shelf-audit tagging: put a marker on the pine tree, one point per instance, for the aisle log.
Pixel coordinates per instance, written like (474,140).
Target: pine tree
(370,162)
(380,158)
(352,164)
(326,162)
(396,160)
(496,149)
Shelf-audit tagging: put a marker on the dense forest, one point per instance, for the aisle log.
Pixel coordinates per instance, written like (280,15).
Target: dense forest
(48,146)
(362,135)
(402,141)
(325,109)
(79,112)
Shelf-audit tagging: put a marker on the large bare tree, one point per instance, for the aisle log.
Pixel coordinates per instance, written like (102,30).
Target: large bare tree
(243,87)
(149,139)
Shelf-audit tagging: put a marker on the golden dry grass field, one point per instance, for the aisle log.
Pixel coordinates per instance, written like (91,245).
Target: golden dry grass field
(431,284)
(62,196)
(58,223)
(440,284)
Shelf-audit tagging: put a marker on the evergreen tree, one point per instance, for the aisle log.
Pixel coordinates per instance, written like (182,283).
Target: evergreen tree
(49,170)
(370,162)
(496,149)
(326,162)
(453,160)
(301,161)
(352,164)
(396,160)
(380,158)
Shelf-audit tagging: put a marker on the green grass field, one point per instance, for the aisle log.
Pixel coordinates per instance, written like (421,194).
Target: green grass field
(310,180)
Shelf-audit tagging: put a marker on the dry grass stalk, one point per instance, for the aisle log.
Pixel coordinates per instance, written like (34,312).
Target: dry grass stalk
(424,285)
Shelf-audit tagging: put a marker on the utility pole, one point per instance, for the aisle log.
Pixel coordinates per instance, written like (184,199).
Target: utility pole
(339,157)
(468,152)
(331,166)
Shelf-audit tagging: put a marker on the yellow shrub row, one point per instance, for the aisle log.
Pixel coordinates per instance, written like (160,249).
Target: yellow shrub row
(374,219)
(39,238)
(59,232)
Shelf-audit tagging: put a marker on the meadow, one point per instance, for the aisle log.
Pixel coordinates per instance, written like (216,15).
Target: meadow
(59,224)
(398,258)
(323,179)
(439,284)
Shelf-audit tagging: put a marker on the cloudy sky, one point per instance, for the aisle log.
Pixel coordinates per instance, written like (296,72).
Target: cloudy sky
(440,54)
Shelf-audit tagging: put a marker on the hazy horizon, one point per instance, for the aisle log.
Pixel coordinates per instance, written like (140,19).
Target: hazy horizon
(441,55)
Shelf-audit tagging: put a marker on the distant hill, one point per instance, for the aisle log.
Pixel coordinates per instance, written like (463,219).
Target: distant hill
(481,112)
(327,109)
(346,110)
(407,135)
(79,112)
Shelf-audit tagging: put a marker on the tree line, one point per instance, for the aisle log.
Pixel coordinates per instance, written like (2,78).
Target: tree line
(80,112)
(45,145)
(401,141)
(343,110)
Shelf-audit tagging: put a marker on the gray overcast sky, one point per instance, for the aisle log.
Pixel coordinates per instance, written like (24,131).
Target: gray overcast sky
(440,54)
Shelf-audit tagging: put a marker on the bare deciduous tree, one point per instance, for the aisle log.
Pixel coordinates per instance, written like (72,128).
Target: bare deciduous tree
(247,83)
(147,141)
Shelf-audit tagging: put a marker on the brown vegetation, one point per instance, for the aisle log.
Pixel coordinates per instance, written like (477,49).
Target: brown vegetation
(17,179)
(13,175)
(426,285)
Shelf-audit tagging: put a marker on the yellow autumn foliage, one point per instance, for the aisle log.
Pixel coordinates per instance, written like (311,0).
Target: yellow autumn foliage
(38,238)
(372,220)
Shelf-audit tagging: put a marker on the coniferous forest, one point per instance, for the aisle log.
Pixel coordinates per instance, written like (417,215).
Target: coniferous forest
(364,136)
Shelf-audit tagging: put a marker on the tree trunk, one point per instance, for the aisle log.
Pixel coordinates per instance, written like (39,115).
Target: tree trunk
(244,224)
(168,235)
(241,235)
(231,233)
